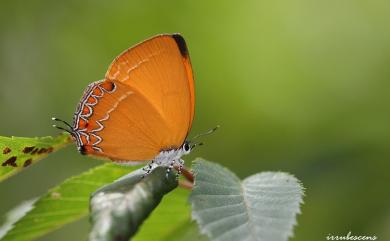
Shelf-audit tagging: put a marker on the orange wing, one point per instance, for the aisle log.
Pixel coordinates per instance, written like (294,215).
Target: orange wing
(145,104)
(160,68)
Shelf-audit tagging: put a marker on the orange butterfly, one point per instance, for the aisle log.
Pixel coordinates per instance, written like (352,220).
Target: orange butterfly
(143,109)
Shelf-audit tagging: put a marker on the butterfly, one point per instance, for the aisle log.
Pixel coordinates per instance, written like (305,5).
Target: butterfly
(143,109)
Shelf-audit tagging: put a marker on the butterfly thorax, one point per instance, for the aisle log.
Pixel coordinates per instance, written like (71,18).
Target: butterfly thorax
(166,157)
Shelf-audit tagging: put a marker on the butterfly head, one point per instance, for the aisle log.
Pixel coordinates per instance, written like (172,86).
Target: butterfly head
(188,145)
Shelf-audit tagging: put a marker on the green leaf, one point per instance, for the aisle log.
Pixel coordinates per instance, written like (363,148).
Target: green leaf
(117,210)
(15,215)
(65,203)
(16,153)
(187,231)
(262,207)
(171,220)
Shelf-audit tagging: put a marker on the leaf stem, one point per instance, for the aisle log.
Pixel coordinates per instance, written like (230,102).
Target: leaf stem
(186,184)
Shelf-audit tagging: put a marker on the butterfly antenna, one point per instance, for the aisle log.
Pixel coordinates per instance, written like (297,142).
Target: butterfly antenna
(70,130)
(66,123)
(206,133)
(196,144)
(64,129)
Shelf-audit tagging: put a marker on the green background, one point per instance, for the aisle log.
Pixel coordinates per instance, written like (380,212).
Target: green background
(297,86)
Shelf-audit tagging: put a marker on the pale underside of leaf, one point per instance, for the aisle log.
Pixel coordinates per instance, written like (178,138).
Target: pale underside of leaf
(263,207)
(15,215)
(118,210)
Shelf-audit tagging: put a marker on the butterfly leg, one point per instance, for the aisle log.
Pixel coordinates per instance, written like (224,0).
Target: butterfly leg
(169,168)
(148,168)
(180,168)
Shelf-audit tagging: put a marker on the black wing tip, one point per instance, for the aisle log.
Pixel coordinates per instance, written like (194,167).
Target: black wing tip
(181,43)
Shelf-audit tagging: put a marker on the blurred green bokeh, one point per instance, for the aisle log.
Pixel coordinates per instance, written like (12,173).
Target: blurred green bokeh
(297,86)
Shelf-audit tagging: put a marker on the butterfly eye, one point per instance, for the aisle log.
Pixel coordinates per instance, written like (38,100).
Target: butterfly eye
(186,147)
